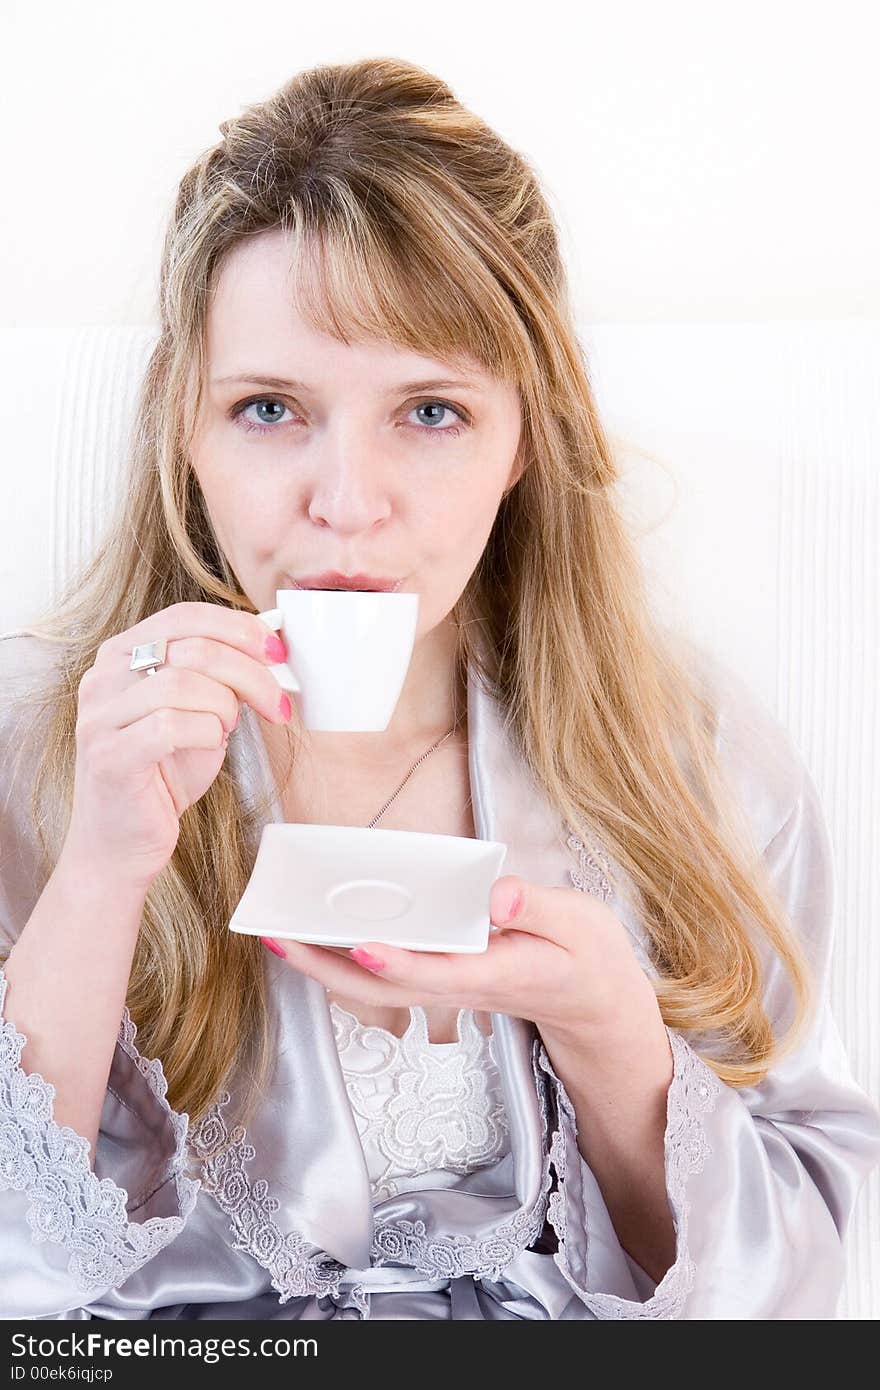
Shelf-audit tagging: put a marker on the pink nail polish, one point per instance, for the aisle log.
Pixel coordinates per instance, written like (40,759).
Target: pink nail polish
(285,707)
(514,906)
(366,960)
(273,946)
(275,649)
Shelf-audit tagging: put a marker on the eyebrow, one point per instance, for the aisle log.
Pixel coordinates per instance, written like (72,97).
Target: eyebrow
(281,383)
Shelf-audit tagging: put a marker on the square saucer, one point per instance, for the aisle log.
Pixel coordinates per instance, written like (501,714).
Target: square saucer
(341,885)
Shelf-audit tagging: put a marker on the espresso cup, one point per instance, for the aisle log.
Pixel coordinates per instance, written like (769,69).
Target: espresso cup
(348,652)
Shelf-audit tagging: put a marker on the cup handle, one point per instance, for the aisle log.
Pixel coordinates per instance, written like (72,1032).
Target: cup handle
(280,670)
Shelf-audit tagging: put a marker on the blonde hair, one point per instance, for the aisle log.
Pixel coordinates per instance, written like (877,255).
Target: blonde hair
(411,221)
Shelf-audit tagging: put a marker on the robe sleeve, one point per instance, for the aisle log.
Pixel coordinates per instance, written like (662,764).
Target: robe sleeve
(73,1231)
(761,1180)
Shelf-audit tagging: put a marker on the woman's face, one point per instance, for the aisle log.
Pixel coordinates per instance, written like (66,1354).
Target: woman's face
(369,459)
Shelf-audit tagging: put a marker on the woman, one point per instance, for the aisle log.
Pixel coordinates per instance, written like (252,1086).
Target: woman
(635,1103)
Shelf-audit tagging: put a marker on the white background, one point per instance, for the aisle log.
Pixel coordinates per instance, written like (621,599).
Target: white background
(706,160)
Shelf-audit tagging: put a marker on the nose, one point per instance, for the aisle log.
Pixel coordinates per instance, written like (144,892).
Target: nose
(349,488)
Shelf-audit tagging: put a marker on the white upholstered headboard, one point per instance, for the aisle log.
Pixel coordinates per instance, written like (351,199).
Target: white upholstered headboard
(752,474)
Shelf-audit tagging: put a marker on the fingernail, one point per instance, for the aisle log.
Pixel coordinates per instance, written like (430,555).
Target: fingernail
(275,649)
(514,908)
(366,960)
(273,946)
(285,707)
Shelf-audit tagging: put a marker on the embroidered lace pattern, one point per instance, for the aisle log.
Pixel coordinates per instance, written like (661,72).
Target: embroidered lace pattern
(293,1269)
(421,1106)
(50,1164)
(692,1094)
(594,868)
(452,1256)
(593,876)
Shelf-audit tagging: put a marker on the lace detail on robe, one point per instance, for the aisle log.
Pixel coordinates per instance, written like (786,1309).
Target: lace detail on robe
(592,874)
(285,1255)
(419,1106)
(223,1155)
(451,1257)
(692,1095)
(48,1162)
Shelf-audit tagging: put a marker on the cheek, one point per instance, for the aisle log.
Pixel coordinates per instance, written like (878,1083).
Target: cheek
(245,523)
(449,545)
(240,504)
(464,504)
(451,530)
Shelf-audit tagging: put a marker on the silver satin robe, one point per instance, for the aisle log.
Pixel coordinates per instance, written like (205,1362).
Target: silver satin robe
(761,1181)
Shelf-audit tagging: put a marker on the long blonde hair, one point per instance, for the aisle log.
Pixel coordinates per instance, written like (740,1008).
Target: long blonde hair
(411,221)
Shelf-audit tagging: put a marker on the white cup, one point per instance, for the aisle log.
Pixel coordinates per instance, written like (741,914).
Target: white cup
(348,652)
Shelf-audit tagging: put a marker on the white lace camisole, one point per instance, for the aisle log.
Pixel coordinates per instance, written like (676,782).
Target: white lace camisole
(426,1112)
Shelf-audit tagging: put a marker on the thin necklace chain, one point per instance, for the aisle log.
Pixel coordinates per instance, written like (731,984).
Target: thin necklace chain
(416,764)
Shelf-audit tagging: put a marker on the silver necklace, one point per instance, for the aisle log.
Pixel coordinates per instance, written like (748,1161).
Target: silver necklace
(416,764)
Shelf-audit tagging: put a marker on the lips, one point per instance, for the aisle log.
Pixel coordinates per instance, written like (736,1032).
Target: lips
(332,579)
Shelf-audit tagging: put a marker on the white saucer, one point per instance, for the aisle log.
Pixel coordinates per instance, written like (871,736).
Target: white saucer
(340,885)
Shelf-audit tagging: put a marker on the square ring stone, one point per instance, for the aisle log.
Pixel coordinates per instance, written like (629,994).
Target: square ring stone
(149,654)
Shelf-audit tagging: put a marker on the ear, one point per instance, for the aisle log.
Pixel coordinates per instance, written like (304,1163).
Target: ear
(516,472)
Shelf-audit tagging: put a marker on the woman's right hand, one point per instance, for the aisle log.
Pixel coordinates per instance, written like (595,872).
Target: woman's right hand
(147,747)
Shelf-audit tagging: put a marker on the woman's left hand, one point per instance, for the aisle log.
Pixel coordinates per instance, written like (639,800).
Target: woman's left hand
(560,958)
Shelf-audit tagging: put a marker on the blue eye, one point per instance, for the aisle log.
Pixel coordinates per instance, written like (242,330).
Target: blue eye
(239,414)
(442,406)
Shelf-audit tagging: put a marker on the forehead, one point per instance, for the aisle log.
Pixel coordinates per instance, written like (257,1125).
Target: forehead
(260,320)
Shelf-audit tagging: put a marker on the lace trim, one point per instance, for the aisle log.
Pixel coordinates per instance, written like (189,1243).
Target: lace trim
(154,1075)
(452,1256)
(593,874)
(692,1095)
(449,1257)
(421,1106)
(293,1270)
(69,1204)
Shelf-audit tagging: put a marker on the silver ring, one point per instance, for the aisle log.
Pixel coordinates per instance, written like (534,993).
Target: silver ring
(148,656)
